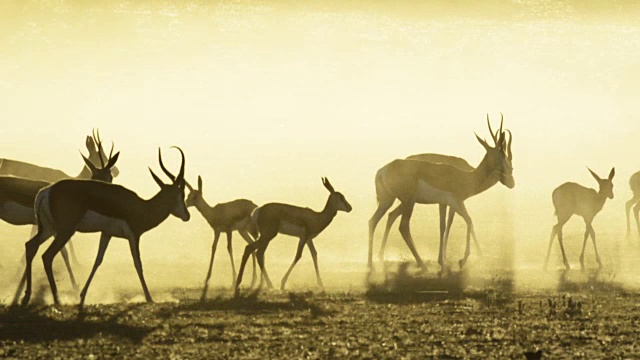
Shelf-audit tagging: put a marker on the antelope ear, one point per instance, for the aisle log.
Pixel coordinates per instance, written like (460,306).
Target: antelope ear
(112,161)
(595,176)
(89,164)
(200,183)
(482,142)
(157,179)
(612,173)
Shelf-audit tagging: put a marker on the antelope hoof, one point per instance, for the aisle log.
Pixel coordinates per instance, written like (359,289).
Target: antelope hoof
(462,263)
(566,266)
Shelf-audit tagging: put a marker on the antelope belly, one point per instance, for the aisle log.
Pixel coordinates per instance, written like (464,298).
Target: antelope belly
(291,229)
(17,214)
(427,194)
(96,222)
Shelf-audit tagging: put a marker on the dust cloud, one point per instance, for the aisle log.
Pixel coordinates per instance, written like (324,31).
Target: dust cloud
(267,97)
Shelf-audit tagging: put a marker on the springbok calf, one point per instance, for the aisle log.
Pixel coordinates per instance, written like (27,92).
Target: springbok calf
(92,206)
(634,184)
(415,181)
(571,198)
(224,217)
(26,170)
(304,223)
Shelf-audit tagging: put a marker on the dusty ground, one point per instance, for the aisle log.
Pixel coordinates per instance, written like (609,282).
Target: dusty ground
(404,317)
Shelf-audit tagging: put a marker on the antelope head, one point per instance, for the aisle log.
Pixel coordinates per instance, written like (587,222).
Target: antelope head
(175,190)
(606,185)
(336,200)
(93,144)
(104,172)
(499,155)
(195,195)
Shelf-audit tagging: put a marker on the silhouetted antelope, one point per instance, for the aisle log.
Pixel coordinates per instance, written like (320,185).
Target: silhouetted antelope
(75,205)
(634,184)
(571,198)
(415,181)
(224,217)
(304,223)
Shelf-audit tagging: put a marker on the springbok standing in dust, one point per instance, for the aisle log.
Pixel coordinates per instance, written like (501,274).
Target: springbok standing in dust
(276,218)
(224,217)
(93,206)
(634,184)
(415,181)
(571,198)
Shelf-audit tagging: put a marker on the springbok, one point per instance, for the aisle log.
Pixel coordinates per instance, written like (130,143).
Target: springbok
(304,223)
(416,181)
(224,217)
(634,184)
(461,164)
(92,206)
(35,172)
(571,198)
(26,170)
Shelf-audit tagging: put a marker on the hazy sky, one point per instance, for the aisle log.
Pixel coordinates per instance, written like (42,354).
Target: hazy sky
(266,97)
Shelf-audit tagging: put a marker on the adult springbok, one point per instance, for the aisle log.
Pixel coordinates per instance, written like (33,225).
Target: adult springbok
(276,218)
(18,195)
(571,198)
(224,217)
(416,181)
(634,184)
(92,206)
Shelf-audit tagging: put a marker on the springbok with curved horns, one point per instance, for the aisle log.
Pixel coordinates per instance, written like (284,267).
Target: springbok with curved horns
(70,205)
(571,198)
(416,181)
(634,184)
(276,218)
(224,217)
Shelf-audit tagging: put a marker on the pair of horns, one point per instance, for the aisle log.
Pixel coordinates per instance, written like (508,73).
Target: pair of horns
(499,137)
(173,178)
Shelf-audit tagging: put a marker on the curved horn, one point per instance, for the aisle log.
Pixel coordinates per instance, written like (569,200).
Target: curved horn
(181,173)
(501,121)
(164,169)
(493,136)
(188,185)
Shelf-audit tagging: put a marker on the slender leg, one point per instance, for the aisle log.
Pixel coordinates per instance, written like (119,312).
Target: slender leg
(58,243)
(31,249)
(593,238)
(462,210)
(554,231)
(245,235)
(564,255)
(134,245)
(628,206)
(383,206)
(301,243)
(233,265)
(65,257)
(260,255)
(393,215)
(213,254)
(405,230)
(73,253)
(447,231)
(584,245)
(314,255)
(443,227)
(102,249)
(636,211)
(265,237)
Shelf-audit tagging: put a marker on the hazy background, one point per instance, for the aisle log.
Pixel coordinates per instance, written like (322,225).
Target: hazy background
(266,97)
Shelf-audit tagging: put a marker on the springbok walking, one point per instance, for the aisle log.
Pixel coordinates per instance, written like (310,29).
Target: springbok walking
(92,206)
(634,184)
(224,217)
(415,181)
(276,218)
(571,198)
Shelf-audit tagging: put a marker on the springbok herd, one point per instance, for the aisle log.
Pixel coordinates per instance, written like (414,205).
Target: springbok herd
(59,205)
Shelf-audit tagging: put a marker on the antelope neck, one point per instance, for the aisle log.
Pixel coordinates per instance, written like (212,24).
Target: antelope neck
(154,211)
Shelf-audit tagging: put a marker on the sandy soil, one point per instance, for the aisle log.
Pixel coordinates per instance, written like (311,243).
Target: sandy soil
(404,316)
